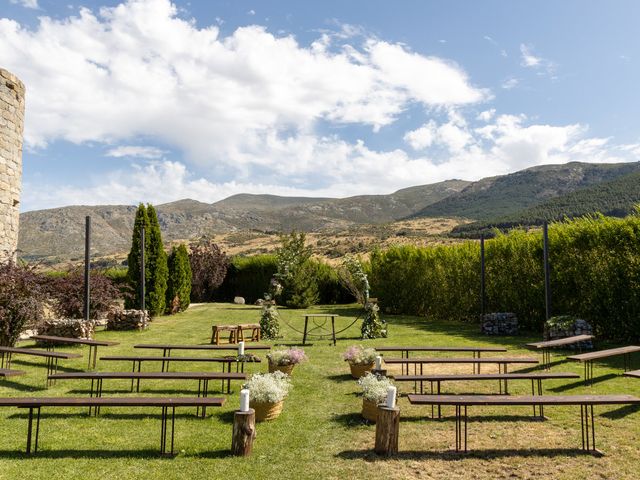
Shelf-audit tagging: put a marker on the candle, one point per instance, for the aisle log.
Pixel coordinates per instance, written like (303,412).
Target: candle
(241,348)
(244,400)
(391,397)
(378,362)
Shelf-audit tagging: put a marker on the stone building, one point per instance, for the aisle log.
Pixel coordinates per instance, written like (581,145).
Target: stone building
(11,128)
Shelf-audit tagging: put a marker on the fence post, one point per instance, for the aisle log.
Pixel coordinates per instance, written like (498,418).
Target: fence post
(547,269)
(87,265)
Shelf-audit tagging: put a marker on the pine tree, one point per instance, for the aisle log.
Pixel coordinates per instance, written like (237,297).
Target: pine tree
(179,284)
(158,272)
(133,259)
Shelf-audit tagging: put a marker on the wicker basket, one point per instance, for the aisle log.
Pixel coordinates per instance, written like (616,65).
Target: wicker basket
(369,410)
(281,368)
(358,371)
(267,411)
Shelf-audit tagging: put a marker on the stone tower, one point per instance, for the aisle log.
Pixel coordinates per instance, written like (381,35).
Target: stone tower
(11,128)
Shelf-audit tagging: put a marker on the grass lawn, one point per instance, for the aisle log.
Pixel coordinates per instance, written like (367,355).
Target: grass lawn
(320,433)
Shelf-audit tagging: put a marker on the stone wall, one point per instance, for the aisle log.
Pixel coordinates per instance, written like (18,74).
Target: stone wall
(503,323)
(127,320)
(71,328)
(11,129)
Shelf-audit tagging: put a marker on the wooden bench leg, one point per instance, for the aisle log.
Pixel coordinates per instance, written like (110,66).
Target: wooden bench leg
(240,334)
(164,428)
(461,428)
(30,430)
(588,437)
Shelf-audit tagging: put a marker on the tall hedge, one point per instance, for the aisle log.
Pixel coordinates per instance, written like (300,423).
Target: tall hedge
(595,275)
(157,269)
(133,259)
(179,284)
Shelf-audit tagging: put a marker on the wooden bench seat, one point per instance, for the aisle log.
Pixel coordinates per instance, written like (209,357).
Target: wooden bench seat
(586,403)
(168,347)
(405,350)
(255,332)
(6,372)
(588,358)
(216,330)
(225,361)
(7,353)
(502,362)
(633,373)
(546,346)
(35,404)
(51,341)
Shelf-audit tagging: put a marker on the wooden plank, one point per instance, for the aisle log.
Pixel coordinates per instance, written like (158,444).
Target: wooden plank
(633,373)
(612,352)
(461,360)
(484,376)
(7,372)
(440,349)
(112,402)
(172,359)
(201,347)
(151,375)
(82,341)
(523,400)
(38,353)
(561,342)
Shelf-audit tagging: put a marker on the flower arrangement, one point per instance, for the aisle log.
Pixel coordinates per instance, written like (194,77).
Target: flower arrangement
(372,325)
(358,355)
(268,387)
(374,387)
(292,356)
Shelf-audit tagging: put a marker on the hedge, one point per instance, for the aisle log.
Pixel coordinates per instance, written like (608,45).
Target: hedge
(595,275)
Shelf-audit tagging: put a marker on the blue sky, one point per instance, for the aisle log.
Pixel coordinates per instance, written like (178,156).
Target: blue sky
(149,100)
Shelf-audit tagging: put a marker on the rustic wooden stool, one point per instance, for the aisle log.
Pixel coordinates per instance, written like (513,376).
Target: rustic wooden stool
(255,331)
(216,329)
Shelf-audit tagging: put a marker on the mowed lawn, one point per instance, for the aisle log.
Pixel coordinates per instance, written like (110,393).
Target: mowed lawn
(320,433)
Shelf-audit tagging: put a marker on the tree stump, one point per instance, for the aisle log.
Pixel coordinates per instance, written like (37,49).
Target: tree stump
(387,430)
(244,431)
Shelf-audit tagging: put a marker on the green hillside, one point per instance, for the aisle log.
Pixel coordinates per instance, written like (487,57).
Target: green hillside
(615,198)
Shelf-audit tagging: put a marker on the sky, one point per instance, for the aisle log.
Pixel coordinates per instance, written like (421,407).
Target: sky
(155,101)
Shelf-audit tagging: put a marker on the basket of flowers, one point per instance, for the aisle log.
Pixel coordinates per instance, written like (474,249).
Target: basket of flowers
(361,360)
(285,360)
(267,392)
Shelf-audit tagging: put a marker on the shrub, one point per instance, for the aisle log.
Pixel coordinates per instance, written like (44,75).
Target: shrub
(296,272)
(247,277)
(67,294)
(208,268)
(179,284)
(133,259)
(358,355)
(268,387)
(374,387)
(22,300)
(157,269)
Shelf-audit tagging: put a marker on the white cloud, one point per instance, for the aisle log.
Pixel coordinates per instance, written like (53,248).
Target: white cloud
(528,58)
(26,3)
(251,12)
(422,137)
(135,151)
(510,83)
(486,115)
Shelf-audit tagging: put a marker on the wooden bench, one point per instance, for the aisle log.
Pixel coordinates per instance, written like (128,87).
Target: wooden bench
(502,362)
(404,351)
(203,378)
(253,327)
(217,329)
(167,348)
(588,358)
(586,403)
(561,342)
(51,341)
(6,355)
(503,378)
(35,404)
(634,373)
(6,373)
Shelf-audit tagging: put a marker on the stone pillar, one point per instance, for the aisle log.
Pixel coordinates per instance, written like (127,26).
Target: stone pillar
(11,129)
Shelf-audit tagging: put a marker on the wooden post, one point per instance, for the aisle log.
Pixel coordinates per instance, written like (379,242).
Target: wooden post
(387,430)
(244,431)
(547,270)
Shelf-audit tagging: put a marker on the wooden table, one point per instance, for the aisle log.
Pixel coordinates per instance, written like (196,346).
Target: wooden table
(586,403)
(203,378)
(502,362)
(93,345)
(404,351)
(166,348)
(52,357)
(34,404)
(318,326)
(588,358)
(546,346)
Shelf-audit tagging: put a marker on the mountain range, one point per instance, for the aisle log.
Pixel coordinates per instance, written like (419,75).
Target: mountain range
(57,235)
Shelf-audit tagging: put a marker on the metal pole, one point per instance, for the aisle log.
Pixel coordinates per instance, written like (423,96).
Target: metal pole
(547,270)
(142,272)
(482,278)
(87,265)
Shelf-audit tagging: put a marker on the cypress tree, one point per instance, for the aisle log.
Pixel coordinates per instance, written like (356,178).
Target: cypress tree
(133,259)
(179,284)
(158,272)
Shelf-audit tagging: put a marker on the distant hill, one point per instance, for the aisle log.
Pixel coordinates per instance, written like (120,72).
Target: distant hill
(616,198)
(57,235)
(499,197)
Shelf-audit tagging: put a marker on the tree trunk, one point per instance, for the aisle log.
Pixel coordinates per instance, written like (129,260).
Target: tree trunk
(387,430)
(244,431)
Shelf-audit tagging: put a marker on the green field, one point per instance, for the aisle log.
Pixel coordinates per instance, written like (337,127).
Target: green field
(320,433)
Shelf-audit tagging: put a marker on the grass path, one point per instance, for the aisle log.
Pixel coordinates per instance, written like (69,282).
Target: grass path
(320,433)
